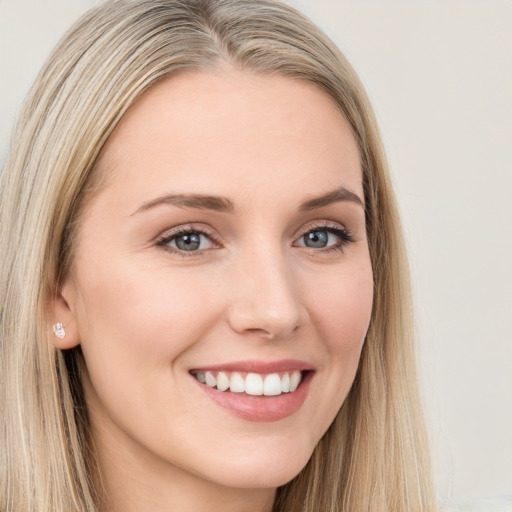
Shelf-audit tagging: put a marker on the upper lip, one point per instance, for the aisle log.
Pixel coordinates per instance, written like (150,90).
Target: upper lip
(252,366)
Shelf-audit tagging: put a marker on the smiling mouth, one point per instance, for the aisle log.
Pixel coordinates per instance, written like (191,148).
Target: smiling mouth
(255,384)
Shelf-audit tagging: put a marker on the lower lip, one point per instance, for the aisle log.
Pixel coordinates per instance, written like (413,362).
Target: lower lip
(260,408)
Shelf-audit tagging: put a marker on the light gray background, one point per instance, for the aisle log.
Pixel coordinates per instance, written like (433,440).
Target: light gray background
(439,74)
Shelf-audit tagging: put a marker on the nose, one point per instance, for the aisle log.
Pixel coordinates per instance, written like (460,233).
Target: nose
(265,299)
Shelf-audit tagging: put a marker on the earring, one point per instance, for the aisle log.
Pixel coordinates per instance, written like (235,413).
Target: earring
(59,331)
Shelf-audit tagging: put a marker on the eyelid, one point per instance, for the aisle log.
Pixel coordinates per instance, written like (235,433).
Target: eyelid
(339,230)
(163,239)
(345,236)
(319,225)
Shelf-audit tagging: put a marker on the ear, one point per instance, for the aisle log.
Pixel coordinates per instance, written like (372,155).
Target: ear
(61,312)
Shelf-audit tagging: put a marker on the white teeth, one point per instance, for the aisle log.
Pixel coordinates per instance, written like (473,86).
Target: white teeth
(285,383)
(210,379)
(222,381)
(272,385)
(253,383)
(295,380)
(237,384)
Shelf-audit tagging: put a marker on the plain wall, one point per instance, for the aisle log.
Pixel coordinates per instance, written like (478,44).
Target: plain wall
(439,74)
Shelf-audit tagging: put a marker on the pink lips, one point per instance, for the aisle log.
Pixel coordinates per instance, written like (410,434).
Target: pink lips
(260,366)
(260,408)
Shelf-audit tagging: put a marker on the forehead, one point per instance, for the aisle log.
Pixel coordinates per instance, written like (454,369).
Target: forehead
(200,131)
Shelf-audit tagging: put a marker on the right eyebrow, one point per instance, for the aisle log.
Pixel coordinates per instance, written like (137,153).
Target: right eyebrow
(200,201)
(335,196)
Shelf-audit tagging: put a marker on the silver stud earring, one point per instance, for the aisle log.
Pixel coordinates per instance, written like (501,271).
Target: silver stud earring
(59,331)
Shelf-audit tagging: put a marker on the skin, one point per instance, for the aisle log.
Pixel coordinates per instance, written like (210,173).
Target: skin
(145,314)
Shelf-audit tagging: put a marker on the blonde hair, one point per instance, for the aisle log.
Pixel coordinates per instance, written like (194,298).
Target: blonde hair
(374,456)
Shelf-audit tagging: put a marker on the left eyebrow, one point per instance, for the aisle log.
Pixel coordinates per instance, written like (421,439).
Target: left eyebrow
(338,195)
(199,201)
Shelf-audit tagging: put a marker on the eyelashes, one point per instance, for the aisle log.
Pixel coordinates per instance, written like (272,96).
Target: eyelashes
(191,241)
(188,241)
(325,237)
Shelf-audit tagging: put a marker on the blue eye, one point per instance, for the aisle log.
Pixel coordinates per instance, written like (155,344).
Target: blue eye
(187,241)
(325,237)
(317,239)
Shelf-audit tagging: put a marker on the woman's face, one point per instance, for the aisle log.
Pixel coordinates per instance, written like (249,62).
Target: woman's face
(228,246)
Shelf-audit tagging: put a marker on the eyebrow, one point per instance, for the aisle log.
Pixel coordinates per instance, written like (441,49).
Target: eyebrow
(222,204)
(336,196)
(199,201)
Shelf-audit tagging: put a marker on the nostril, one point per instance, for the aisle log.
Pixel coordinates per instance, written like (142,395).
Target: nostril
(266,301)
(264,316)
(270,331)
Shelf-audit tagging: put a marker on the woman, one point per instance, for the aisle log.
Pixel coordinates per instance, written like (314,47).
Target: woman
(205,292)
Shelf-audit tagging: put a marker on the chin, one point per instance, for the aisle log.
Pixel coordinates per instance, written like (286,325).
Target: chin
(260,472)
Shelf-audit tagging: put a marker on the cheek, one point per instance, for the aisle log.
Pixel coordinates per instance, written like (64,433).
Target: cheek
(140,307)
(342,307)
(134,325)
(341,310)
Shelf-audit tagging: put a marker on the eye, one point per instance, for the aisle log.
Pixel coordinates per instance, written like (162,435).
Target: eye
(187,240)
(325,237)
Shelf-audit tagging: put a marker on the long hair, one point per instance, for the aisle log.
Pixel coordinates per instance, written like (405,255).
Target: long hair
(374,456)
